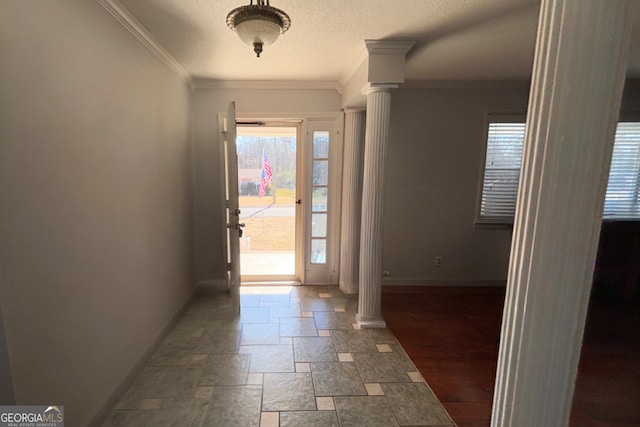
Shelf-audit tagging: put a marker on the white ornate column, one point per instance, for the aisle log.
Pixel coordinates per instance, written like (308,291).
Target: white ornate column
(578,77)
(354,127)
(376,140)
(385,72)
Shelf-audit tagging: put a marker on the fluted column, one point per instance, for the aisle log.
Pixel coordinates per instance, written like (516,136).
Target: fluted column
(578,76)
(354,129)
(376,138)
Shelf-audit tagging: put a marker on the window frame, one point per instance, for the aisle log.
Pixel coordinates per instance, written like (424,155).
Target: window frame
(625,117)
(493,117)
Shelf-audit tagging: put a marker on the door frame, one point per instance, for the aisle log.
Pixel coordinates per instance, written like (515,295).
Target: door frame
(298,263)
(327,273)
(303,120)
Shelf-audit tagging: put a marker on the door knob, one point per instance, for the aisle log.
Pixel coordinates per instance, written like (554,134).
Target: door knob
(298,202)
(239,226)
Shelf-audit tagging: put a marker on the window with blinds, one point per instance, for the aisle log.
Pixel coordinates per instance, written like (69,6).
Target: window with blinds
(501,172)
(622,201)
(504,159)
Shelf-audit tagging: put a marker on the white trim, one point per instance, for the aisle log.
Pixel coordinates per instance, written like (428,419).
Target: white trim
(203,83)
(140,32)
(399,47)
(287,117)
(412,281)
(467,84)
(325,273)
(370,324)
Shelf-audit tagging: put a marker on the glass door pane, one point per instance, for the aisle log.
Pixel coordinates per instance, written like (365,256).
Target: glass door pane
(319,191)
(267,185)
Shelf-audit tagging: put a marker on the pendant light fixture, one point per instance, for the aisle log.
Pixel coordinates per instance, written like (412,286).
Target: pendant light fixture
(259,24)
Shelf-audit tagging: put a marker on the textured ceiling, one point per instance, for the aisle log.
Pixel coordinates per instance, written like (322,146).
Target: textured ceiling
(456,39)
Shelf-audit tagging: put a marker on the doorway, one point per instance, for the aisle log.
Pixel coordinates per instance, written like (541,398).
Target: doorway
(267,185)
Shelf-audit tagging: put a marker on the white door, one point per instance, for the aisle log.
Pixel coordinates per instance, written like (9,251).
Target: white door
(232,211)
(321,204)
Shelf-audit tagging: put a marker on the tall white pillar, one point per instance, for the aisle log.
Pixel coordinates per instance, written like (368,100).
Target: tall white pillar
(578,77)
(354,127)
(385,72)
(376,139)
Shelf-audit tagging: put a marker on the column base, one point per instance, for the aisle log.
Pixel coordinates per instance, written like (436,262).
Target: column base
(348,288)
(371,323)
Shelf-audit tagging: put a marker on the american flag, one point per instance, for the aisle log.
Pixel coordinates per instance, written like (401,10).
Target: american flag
(265,179)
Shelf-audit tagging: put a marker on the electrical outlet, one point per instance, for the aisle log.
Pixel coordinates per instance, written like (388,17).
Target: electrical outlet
(439,261)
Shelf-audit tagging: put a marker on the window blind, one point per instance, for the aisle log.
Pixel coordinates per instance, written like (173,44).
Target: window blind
(623,190)
(504,160)
(502,171)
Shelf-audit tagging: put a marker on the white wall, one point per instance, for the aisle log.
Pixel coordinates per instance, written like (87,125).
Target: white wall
(95,205)
(432,177)
(205,106)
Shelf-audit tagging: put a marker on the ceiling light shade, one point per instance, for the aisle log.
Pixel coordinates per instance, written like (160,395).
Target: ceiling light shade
(259,24)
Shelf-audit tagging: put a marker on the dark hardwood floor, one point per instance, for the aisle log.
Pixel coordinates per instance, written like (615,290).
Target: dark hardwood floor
(452,335)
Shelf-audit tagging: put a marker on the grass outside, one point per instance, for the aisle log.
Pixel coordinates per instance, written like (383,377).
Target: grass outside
(269,234)
(282,197)
(263,234)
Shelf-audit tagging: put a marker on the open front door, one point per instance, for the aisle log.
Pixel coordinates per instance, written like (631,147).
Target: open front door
(232,210)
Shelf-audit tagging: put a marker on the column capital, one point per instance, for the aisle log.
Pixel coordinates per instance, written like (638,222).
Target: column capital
(354,110)
(393,47)
(386,60)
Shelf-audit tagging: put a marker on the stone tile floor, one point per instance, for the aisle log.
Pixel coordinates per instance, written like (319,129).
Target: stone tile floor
(294,356)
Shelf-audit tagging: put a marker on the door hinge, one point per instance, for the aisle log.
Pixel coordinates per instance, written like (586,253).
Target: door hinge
(228,266)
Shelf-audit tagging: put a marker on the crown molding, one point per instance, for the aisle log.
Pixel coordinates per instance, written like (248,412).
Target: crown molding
(351,70)
(203,83)
(135,27)
(400,47)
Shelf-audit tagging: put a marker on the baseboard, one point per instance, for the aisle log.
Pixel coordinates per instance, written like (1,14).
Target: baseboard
(404,281)
(138,366)
(212,285)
